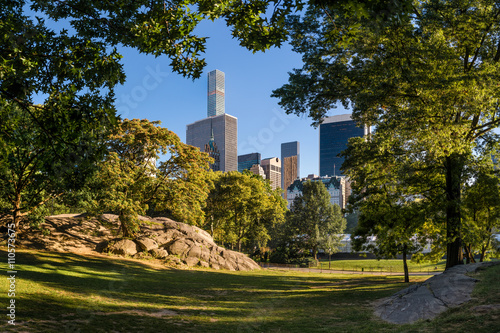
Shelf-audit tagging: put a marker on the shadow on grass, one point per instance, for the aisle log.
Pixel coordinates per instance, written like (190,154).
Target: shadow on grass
(69,292)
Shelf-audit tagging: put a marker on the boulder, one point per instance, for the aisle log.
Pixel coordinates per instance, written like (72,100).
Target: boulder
(146,244)
(179,247)
(426,300)
(124,247)
(159,253)
(191,261)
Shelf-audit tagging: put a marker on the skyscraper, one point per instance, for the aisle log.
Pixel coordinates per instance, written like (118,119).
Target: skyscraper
(288,173)
(216,92)
(246,161)
(212,151)
(219,130)
(290,167)
(272,169)
(334,133)
(225,137)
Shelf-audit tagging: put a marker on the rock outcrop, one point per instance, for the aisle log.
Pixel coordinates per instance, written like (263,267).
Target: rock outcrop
(428,299)
(180,244)
(175,243)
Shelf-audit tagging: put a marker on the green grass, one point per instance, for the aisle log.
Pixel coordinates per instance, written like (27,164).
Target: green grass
(383,265)
(59,292)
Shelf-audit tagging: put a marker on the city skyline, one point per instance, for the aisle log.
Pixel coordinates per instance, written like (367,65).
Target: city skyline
(153,92)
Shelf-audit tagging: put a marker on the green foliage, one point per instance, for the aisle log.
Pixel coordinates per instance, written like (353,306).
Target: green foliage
(36,167)
(241,209)
(53,147)
(129,178)
(313,222)
(427,71)
(481,210)
(351,222)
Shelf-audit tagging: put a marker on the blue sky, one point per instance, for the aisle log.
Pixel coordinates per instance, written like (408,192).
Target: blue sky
(153,92)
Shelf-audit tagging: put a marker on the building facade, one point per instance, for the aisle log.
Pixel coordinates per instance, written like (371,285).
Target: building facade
(289,173)
(272,169)
(212,151)
(216,93)
(256,169)
(225,137)
(290,168)
(246,161)
(335,185)
(334,133)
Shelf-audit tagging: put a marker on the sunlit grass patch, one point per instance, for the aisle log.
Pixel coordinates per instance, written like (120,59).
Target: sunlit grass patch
(58,292)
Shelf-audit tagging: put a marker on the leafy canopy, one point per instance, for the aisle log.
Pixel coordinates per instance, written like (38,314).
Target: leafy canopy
(429,71)
(75,69)
(129,180)
(242,208)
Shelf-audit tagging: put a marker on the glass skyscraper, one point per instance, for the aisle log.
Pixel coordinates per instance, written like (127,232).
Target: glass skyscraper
(216,91)
(334,133)
(246,161)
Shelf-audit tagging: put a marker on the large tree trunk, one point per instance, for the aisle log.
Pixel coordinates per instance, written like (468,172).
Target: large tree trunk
(405,265)
(16,213)
(454,255)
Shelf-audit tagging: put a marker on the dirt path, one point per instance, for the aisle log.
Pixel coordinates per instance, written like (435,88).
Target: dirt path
(327,271)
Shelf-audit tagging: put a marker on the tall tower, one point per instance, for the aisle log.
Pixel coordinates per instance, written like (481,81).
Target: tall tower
(219,129)
(216,90)
(334,133)
(290,164)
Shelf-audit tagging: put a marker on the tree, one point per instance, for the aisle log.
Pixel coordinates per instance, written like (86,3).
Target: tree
(330,238)
(395,186)
(481,210)
(428,69)
(74,71)
(241,207)
(313,217)
(129,180)
(35,168)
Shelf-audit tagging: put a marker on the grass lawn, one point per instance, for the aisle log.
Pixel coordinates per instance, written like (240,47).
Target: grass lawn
(383,265)
(57,292)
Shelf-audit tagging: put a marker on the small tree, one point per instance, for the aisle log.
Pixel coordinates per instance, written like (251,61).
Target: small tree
(129,180)
(312,217)
(241,207)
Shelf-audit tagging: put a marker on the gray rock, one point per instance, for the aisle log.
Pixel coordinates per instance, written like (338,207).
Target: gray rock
(124,247)
(180,244)
(203,264)
(427,300)
(159,253)
(146,244)
(191,261)
(180,247)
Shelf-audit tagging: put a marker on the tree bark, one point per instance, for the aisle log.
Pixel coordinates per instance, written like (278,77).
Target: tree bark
(454,255)
(16,213)
(468,254)
(405,265)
